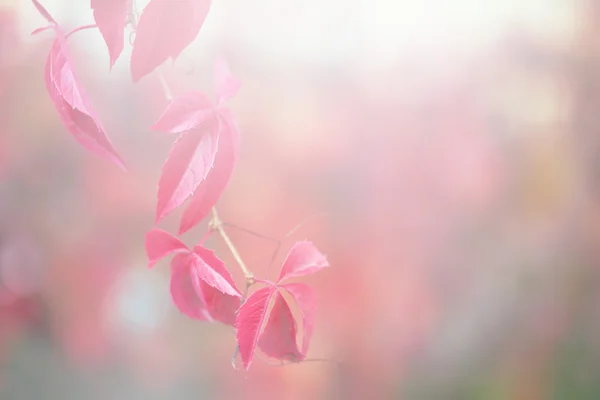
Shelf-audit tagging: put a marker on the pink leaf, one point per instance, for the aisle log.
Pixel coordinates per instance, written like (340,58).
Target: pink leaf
(250,319)
(110,16)
(278,339)
(222,307)
(165,28)
(160,244)
(42,10)
(184,113)
(227,85)
(209,191)
(72,104)
(306,298)
(303,259)
(212,271)
(183,291)
(188,163)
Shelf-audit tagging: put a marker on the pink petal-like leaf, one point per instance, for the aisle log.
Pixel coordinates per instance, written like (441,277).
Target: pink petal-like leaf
(278,339)
(222,307)
(211,270)
(72,104)
(165,28)
(110,16)
(188,163)
(42,10)
(183,291)
(184,113)
(209,191)
(226,84)
(160,244)
(303,259)
(249,322)
(306,298)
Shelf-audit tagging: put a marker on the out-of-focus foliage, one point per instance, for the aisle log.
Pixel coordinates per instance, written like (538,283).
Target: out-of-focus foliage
(447,168)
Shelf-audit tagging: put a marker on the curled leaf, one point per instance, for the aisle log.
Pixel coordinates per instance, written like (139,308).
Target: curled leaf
(278,339)
(72,104)
(306,299)
(222,307)
(249,322)
(303,259)
(183,291)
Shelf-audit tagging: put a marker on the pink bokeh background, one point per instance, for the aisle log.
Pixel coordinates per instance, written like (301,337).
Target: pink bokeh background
(442,155)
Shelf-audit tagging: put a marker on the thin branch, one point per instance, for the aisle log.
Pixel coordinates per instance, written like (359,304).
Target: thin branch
(234,358)
(258,235)
(165,85)
(304,222)
(250,232)
(217,225)
(81,28)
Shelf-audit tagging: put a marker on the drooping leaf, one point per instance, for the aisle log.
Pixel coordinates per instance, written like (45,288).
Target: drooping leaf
(72,103)
(278,339)
(303,259)
(187,165)
(212,271)
(184,113)
(222,307)
(165,28)
(306,298)
(226,84)
(42,10)
(183,291)
(110,16)
(249,322)
(160,244)
(209,191)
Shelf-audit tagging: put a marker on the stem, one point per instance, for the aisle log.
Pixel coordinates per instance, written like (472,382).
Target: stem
(80,28)
(165,86)
(217,225)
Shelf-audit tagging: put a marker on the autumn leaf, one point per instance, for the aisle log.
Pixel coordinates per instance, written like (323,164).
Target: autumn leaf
(165,28)
(226,85)
(183,290)
(187,165)
(210,190)
(249,322)
(278,339)
(184,113)
(201,287)
(70,99)
(212,271)
(160,244)
(199,166)
(302,259)
(306,299)
(111,16)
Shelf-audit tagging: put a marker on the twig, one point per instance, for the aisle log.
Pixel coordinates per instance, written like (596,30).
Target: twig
(81,28)
(217,225)
(165,86)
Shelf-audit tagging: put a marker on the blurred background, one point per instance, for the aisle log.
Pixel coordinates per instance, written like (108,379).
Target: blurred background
(444,155)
